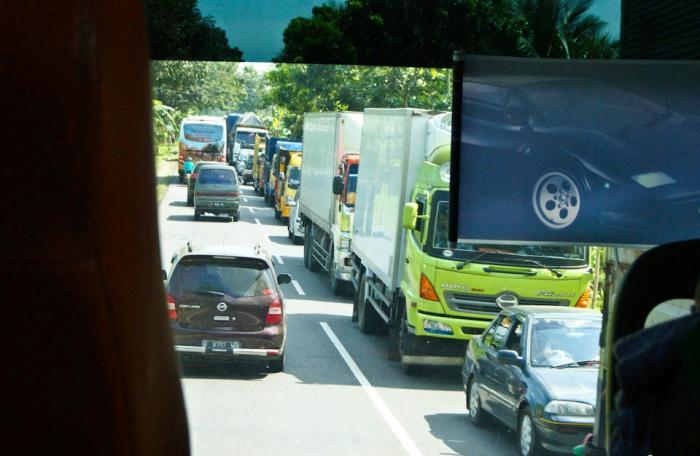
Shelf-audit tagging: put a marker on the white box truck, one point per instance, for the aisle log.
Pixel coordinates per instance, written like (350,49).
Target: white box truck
(326,207)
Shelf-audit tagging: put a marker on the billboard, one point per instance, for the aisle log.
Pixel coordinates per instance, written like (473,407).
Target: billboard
(575,151)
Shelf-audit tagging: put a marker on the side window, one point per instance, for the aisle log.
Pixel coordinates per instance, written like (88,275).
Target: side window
(515,338)
(421,211)
(488,335)
(499,337)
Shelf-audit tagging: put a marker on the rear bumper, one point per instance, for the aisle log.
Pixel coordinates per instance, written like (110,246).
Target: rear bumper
(265,344)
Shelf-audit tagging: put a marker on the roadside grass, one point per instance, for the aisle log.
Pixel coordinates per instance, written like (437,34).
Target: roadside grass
(166,169)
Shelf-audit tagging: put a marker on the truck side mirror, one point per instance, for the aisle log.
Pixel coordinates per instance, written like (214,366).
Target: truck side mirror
(409,216)
(337,185)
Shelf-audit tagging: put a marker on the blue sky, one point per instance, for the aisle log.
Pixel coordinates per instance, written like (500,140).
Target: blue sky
(269,18)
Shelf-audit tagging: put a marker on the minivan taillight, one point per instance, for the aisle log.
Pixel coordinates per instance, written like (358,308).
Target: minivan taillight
(274,313)
(172,311)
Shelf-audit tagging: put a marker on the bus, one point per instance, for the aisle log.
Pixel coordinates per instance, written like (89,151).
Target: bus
(202,138)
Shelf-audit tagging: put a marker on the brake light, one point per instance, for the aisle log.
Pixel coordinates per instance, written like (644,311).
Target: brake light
(235,194)
(426,289)
(222,159)
(585,299)
(172,311)
(274,313)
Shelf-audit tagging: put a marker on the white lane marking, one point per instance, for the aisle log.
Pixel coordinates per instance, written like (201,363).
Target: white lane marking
(408,443)
(298,288)
(251,209)
(279,259)
(245,200)
(258,222)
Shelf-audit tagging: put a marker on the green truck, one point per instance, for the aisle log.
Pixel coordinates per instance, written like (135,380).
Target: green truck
(432,296)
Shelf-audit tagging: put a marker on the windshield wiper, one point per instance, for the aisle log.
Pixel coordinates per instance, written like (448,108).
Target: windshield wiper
(576,364)
(209,292)
(461,264)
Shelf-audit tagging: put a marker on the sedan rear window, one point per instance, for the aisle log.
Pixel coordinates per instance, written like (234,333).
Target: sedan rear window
(235,277)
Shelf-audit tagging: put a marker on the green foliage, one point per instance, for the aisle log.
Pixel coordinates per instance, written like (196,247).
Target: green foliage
(385,32)
(178,31)
(296,89)
(165,124)
(562,29)
(198,87)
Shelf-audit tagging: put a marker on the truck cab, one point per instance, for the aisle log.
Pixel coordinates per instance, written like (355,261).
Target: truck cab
(453,291)
(290,179)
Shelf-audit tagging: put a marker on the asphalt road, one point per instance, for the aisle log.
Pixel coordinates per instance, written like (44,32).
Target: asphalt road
(338,395)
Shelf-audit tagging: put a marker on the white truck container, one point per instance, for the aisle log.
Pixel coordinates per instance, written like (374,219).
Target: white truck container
(397,140)
(331,148)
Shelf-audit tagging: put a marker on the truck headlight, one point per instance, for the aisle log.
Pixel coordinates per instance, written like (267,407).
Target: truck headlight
(344,243)
(567,408)
(435,327)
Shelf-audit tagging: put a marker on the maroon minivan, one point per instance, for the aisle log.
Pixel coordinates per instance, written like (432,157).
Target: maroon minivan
(225,304)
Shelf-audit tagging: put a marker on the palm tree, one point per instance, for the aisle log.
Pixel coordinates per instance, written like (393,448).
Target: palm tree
(559,28)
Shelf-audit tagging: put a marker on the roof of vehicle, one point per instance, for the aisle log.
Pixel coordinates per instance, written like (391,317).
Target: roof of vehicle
(554,311)
(204,119)
(202,163)
(218,165)
(229,251)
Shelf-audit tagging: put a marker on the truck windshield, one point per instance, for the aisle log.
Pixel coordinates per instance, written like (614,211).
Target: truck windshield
(294,177)
(507,254)
(245,138)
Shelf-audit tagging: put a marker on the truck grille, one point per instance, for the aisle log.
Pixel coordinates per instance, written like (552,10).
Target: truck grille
(477,303)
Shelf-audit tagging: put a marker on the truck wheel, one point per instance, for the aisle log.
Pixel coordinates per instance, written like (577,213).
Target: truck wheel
(367,318)
(278,214)
(265,197)
(298,240)
(405,344)
(393,352)
(289,233)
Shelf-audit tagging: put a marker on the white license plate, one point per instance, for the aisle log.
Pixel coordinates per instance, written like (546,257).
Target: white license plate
(221,346)
(218,204)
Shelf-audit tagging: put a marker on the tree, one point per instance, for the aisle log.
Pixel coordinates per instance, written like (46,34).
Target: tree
(562,29)
(197,87)
(408,33)
(296,89)
(178,31)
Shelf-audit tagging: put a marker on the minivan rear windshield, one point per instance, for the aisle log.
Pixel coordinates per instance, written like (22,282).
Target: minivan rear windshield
(216,176)
(234,277)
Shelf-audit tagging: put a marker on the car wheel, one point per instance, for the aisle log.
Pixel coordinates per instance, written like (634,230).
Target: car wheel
(197,214)
(236,216)
(298,240)
(476,413)
(276,365)
(368,320)
(190,201)
(528,443)
(556,199)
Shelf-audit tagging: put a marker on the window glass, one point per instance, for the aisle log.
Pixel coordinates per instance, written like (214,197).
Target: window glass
(499,337)
(488,335)
(203,132)
(515,338)
(234,278)
(216,176)
(561,341)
